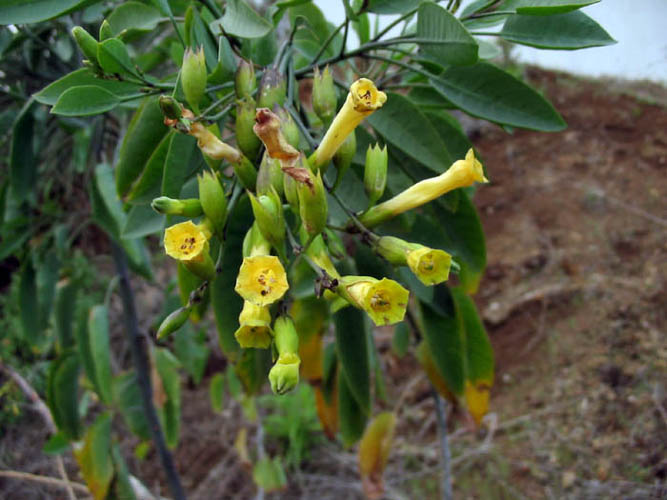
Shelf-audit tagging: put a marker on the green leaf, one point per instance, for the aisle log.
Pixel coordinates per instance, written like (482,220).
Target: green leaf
(113,57)
(86,100)
(22,163)
(62,394)
(64,317)
(352,418)
(269,474)
(400,342)
(142,137)
(242,21)
(545,7)
(451,133)
(454,44)
(142,221)
(569,31)
(127,398)
(252,369)
(148,184)
(475,6)
(170,414)
(79,78)
(47,278)
(133,16)
(216,392)
(416,137)
(182,151)
(392,6)
(34,11)
(200,35)
(28,304)
(98,333)
(488,92)
(352,350)
(57,444)
(94,457)
(444,336)
(191,350)
(121,488)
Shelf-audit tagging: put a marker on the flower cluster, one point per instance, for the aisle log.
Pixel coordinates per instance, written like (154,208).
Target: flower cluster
(286,181)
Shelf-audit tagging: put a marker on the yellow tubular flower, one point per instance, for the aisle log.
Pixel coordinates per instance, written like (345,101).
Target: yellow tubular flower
(431,266)
(255,326)
(261,280)
(362,100)
(462,173)
(213,147)
(188,243)
(385,301)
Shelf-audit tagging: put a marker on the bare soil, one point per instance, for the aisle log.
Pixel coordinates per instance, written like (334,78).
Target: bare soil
(575,302)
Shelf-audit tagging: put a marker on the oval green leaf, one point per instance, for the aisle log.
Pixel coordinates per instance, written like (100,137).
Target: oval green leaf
(452,44)
(241,20)
(85,100)
(352,350)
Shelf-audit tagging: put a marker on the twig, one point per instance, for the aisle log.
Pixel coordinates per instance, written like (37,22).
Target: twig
(140,361)
(446,457)
(52,481)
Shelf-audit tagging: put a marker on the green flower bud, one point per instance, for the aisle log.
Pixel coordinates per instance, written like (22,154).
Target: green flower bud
(287,340)
(245,82)
(291,193)
(254,243)
(284,376)
(270,175)
(344,156)
(246,173)
(173,322)
(268,212)
(288,128)
(168,206)
(213,200)
(324,95)
(375,173)
(272,89)
(430,266)
(313,203)
(193,77)
(86,43)
(246,139)
(105,31)
(170,107)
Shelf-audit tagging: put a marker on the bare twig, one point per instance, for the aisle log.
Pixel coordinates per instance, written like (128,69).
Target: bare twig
(441,414)
(52,481)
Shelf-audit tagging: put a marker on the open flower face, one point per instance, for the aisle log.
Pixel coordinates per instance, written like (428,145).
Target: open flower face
(261,280)
(385,301)
(255,327)
(366,97)
(429,265)
(185,242)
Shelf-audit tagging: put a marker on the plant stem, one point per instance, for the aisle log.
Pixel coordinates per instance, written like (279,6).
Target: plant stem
(446,458)
(394,23)
(489,14)
(326,43)
(140,360)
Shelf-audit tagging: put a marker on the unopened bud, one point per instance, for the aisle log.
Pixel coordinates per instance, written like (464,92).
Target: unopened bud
(268,128)
(270,175)
(288,128)
(213,200)
(105,31)
(173,322)
(272,89)
(291,193)
(268,212)
(244,82)
(193,76)
(170,107)
(324,95)
(246,173)
(375,173)
(344,157)
(246,139)
(313,203)
(284,376)
(86,43)
(286,337)
(168,206)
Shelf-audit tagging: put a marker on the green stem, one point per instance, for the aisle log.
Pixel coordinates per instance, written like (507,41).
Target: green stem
(394,23)
(489,14)
(326,43)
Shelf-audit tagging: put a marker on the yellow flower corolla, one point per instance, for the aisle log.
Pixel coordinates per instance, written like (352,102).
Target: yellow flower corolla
(186,242)
(430,265)
(362,99)
(261,280)
(284,375)
(477,399)
(255,327)
(385,300)
(462,173)
(213,147)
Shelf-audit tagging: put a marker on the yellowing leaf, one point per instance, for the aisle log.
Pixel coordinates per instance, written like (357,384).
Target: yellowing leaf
(311,354)
(477,399)
(374,452)
(426,361)
(327,413)
(241,447)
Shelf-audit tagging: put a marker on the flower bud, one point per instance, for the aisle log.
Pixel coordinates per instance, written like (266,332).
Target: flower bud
(344,157)
(168,206)
(272,89)
(288,128)
(244,82)
(254,327)
(375,173)
(105,31)
(290,191)
(324,95)
(287,340)
(254,243)
(212,146)
(246,173)
(188,243)
(193,76)
(313,203)
(213,200)
(269,175)
(86,43)
(246,139)
(268,128)
(268,212)
(170,107)
(173,322)
(284,376)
